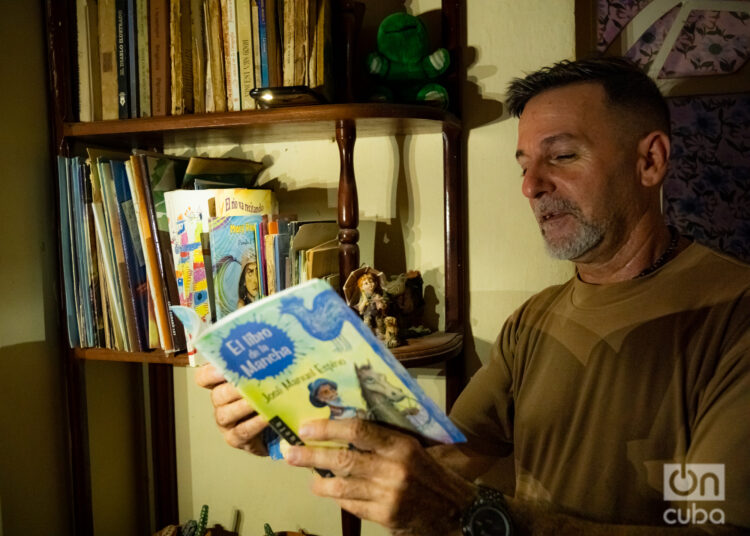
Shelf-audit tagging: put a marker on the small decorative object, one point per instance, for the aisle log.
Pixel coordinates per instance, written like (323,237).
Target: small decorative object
(392,309)
(364,290)
(404,63)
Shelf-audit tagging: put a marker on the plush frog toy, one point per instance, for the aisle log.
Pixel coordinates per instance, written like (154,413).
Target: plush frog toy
(403,61)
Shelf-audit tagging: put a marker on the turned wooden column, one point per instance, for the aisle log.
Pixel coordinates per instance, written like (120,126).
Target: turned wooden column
(348,209)
(455,270)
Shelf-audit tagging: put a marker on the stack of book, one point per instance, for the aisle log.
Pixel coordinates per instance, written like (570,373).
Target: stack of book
(141,58)
(144,231)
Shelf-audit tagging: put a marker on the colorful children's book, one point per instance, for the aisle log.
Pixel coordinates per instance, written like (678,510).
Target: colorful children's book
(303,354)
(234,253)
(188,215)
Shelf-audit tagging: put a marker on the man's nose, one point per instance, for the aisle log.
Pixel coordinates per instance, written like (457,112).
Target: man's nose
(536,182)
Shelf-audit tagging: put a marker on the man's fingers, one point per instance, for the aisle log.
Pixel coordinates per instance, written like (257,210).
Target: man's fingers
(245,433)
(342,461)
(228,415)
(364,435)
(224,393)
(208,376)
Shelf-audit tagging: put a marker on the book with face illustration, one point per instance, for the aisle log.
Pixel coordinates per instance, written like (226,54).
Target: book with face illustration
(304,354)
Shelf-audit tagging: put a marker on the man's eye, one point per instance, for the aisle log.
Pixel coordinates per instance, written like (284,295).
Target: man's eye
(566,156)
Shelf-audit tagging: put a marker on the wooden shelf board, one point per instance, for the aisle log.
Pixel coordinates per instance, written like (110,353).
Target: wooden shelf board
(423,351)
(279,124)
(155,356)
(430,349)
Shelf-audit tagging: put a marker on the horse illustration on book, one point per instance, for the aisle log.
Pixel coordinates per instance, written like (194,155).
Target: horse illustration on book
(382,398)
(326,318)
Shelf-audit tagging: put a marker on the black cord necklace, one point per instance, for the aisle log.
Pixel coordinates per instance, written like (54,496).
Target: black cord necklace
(661,261)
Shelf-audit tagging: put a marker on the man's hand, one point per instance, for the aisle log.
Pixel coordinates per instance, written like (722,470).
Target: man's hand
(391,479)
(236,418)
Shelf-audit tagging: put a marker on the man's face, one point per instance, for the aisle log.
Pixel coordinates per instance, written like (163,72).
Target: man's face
(251,280)
(578,170)
(327,393)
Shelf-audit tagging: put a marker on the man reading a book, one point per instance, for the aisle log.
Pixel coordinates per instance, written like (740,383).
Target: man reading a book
(622,396)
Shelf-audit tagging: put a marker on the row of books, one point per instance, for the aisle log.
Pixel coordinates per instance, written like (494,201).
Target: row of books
(144,231)
(141,58)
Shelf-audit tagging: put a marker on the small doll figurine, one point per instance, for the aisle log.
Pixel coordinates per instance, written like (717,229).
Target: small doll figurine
(371,305)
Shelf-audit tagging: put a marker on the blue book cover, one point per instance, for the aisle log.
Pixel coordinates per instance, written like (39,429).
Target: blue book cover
(67,257)
(134,262)
(303,354)
(234,253)
(263,39)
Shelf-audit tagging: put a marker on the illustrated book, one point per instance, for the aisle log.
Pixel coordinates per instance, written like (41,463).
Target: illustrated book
(303,354)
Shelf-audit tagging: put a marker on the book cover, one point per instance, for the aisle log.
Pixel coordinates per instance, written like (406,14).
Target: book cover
(242,201)
(138,178)
(234,251)
(270,264)
(188,214)
(105,247)
(303,354)
(114,236)
(159,62)
(164,174)
(239,172)
(108,58)
(135,265)
(67,255)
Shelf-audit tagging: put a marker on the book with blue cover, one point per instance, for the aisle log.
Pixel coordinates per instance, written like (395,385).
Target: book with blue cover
(304,354)
(234,253)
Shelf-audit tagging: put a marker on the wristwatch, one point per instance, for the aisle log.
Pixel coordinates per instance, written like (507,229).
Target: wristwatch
(487,515)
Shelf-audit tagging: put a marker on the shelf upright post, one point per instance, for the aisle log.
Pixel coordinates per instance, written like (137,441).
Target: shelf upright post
(57,21)
(348,204)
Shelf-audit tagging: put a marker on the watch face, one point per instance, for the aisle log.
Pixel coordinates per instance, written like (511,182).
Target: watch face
(489,521)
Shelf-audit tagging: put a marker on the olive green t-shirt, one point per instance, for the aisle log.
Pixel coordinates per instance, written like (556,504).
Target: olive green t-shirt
(596,387)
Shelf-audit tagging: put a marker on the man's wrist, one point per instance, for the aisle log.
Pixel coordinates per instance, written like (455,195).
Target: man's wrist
(486,513)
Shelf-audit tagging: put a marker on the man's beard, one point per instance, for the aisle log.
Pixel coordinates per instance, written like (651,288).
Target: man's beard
(586,236)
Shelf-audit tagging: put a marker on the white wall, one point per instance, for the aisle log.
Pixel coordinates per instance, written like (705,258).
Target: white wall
(33,494)
(506,259)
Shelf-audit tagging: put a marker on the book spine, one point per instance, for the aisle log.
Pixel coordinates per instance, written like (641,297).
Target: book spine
(132,39)
(231,67)
(198,43)
(159,60)
(92,22)
(273,44)
(85,106)
(263,36)
(134,266)
(108,59)
(153,274)
(123,76)
(216,51)
(255,28)
(163,249)
(144,82)
(288,43)
(186,50)
(175,55)
(300,42)
(245,49)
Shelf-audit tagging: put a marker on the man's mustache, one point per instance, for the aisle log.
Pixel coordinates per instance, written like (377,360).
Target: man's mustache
(548,207)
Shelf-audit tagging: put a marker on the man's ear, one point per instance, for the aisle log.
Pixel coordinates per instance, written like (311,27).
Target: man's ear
(653,158)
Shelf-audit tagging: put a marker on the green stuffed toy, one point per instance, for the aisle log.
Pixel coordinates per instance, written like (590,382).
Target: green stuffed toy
(404,62)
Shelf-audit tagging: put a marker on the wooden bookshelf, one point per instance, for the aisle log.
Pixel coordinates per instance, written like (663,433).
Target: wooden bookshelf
(343,122)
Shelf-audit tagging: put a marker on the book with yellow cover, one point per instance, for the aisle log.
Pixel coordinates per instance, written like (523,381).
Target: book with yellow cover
(303,354)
